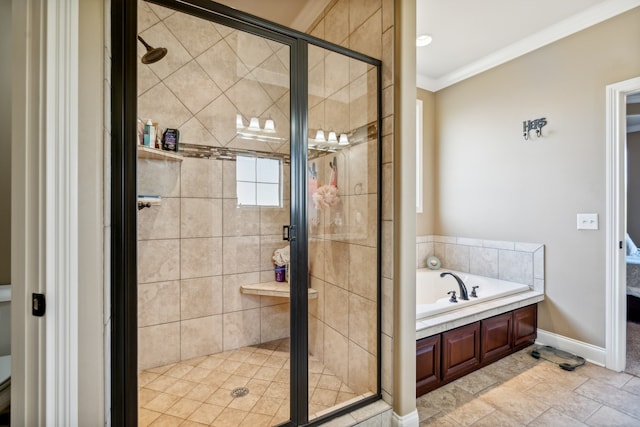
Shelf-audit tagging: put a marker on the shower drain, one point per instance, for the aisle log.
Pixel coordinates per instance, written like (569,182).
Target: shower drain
(239,392)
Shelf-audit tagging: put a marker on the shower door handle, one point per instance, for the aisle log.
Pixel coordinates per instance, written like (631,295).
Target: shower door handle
(289,233)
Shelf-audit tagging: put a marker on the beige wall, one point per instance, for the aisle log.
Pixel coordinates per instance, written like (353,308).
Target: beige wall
(494,185)
(91,261)
(425,220)
(5,142)
(633,185)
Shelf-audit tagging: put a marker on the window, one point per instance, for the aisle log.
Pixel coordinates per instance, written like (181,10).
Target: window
(258,181)
(419,175)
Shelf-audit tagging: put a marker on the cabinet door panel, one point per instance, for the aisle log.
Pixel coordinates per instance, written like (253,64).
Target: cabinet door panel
(427,364)
(525,322)
(460,351)
(496,337)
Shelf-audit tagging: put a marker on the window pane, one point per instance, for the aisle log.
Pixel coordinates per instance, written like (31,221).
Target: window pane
(246,193)
(268,170)
(245,168)
(268,195)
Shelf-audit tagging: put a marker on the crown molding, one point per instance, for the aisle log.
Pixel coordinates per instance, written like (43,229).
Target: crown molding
(591,16)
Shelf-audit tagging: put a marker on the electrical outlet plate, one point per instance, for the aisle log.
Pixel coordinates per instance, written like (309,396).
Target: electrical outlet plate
(587,221)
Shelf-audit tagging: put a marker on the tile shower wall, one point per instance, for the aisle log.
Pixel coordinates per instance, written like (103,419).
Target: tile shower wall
(511,261)
(195,250)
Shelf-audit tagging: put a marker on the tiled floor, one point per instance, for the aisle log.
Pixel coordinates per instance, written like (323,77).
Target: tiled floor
(522,391)
(197,392)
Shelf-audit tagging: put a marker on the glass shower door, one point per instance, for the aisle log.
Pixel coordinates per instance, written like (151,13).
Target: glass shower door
(213,297)
(342,176)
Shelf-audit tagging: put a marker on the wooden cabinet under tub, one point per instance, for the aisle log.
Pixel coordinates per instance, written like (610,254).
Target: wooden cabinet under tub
(445,357)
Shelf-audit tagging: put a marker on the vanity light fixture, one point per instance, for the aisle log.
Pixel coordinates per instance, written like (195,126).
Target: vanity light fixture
(423,40)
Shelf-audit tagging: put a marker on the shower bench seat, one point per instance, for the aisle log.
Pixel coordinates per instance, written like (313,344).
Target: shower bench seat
(272,289)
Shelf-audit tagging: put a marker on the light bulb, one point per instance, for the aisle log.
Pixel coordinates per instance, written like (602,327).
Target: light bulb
(343,139)
(332,137)
(254,124)
(269,126)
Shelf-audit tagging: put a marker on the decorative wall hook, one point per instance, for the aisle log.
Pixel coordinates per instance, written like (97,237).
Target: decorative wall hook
(529,125)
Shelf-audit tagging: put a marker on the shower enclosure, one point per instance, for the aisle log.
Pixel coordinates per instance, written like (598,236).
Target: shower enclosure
(277,166)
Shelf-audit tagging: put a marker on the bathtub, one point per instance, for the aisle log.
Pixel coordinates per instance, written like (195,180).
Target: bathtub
(432,298)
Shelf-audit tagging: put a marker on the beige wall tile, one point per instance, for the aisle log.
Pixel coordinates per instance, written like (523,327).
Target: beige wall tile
(483,261)
(201,297)
(222,65)
(316,305)
(336,305)
(316,338)
(201,178)
(362,271)
(363,328)
(387,307)
(252,50)
(200,257)
(160,222)
(229,190)
(157,303)
(192,86)
(158,345)
(201,218)
(249,98)
(240,220)
(201,336)
(336,72)
(274,322)
(232,299)
(146,79)
(338,17)
(367,38)
(193,132)
(161,106)
(360,11)
(241,254)
(387,249)
(516,266)
(272,219)
(457,257)
(316,258)
(156,178)
(336,263)
(336,353)
(195,34)
(146,17)
(158,260)
(219,117)
(241,328)
(337,111)
(362,370)
(387,193)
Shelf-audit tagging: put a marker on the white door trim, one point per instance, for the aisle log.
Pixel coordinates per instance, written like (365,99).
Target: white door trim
(61,213)
(616,305)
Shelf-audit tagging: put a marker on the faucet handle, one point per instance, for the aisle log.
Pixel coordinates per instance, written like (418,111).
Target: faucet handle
(453,296)
(473,291)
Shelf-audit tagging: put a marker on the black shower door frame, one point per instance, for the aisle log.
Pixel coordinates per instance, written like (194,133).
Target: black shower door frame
(124,351)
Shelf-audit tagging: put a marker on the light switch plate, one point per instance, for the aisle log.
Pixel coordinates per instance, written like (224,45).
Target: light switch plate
(587,221)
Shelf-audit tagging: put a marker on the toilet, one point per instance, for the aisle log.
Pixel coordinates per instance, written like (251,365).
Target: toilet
(5,347)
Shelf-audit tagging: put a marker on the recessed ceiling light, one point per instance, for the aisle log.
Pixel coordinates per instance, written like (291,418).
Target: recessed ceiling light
(423,40)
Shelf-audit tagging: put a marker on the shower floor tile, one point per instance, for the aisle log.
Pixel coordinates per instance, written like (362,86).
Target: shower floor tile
(197,392)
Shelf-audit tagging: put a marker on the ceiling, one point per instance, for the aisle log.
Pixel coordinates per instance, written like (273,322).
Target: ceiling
(471,36)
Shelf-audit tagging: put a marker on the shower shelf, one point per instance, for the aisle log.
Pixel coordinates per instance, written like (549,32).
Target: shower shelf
(272,289)
(155,154)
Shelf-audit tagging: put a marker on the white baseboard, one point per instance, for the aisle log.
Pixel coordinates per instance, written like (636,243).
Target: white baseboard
(593,354)
(409,420)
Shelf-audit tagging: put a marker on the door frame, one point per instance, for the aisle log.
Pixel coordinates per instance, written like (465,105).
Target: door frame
(616,304)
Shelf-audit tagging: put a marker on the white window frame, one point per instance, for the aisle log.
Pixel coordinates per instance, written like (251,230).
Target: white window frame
(255,182)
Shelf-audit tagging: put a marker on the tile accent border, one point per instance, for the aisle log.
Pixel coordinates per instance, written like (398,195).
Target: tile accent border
(513,261)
